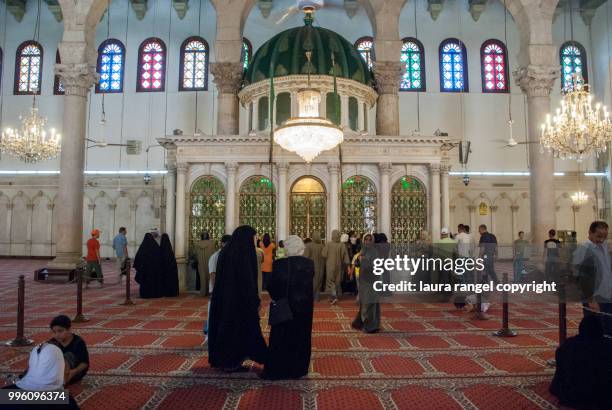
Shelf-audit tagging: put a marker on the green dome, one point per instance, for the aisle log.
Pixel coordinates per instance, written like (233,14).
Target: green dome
(285,54)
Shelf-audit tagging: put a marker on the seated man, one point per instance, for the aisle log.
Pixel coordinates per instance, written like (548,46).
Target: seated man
(73,347)
(584,368)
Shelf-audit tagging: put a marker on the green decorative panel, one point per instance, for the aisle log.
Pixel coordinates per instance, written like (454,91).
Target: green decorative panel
(308,214)
(358,205)
(263,113)
(207,209)
(258,205)
(353,109)
(283,108)
(408,210)
(332,108)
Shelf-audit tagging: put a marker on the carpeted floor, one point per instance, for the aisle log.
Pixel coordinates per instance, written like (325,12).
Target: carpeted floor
(427,355)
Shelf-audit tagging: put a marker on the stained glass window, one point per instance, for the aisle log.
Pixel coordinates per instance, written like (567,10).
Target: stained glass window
(453,66)
(573,61)
(494,66)
(365,47)
(58,84)
(408,210)
(258,205)
(358,205)
(413,58)
(247,51)
(194,65)
(151,65)
(28,68)
(111,61)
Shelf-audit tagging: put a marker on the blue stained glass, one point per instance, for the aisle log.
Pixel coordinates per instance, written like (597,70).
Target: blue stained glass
(573,60)
(452,66)
(110,66)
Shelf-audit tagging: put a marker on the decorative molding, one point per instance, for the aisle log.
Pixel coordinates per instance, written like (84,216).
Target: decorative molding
(227,76)
(29,206)
(91,206)
(265,7)
(493,208)
(17,8)
(333,168)
(537,81)
(471,208)
(283,167)
(181,7)
(476,8)
(231,167)
(385,168)
(182,168)
(576,208)
(55,9)
(514,208)
(77,78)
(140,8)
(387,75)
(434,7)
(434,169)
(351,7)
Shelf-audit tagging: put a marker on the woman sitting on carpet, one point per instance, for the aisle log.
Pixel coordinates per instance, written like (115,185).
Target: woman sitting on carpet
(290,341)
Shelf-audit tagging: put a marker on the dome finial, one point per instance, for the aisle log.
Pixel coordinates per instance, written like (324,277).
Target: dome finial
(308,15)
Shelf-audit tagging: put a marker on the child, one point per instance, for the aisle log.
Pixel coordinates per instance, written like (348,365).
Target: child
(73,347)
(281,252)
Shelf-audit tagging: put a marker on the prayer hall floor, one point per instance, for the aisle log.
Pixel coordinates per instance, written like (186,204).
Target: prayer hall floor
(427,355)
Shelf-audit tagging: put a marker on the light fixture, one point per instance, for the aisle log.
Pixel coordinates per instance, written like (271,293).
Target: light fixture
(577,130)
(579,198)
(31,143)
(309,133)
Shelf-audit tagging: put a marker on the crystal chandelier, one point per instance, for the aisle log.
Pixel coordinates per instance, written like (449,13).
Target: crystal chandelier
(308,134)
(31,143)
(578,129)
(579,198)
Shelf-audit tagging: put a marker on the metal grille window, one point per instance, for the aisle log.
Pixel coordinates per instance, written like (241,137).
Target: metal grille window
(358,205)
(207,209)
(258,205)
(408,210)
(308,208)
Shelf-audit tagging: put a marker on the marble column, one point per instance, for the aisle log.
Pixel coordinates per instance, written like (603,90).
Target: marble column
(230,197)
(294,104)
(434,186)
(28,241)
(514,209)
(255,115)
(361,113)
(180,241)
(77,80)
(281,202)
(493,209)
(444,170)
(334,199)
(170,187)
(537,82)
(227,77)
(473,227)
(344,112)
(323,104)
(388,75)
(385,169)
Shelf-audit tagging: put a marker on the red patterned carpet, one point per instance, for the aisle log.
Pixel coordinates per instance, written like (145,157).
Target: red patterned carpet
(427,356)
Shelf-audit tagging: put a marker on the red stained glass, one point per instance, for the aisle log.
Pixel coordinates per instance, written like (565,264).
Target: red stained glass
(152,66)
(494,66)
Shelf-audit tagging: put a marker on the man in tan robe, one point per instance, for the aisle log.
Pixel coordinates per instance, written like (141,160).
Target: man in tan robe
(312,251)
(204,250)
(335,255)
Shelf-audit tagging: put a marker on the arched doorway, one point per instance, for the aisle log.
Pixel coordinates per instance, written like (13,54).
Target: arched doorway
(308,207)
(207,208)
(408,209)
(358,205)
(258,205)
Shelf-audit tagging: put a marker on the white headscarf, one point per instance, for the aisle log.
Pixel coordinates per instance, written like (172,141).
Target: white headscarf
(45,369)
(294,245)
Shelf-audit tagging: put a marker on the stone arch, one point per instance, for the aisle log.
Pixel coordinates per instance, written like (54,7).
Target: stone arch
(502,217)
(144,214)
(20,215)
(80,21)
(41,224)
(103,219)
(459,211)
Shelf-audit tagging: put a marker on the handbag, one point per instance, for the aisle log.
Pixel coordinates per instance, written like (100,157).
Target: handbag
(280,310)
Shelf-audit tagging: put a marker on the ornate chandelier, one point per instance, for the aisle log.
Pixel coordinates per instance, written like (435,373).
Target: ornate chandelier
(31,143)
(578,129)
(308,134)
(579,198)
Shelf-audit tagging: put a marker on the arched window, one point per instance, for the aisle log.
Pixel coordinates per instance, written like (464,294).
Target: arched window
(111,62)
(258,205)
(494,66)
(151,65)
(28,68)
(413,57)
(453,66)
(365,47)
(358,205)
(247,52)
(573,61)
(207,209)
(194,65)
(58,84)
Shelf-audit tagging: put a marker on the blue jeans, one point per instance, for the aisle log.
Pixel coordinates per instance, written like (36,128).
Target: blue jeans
(519,267)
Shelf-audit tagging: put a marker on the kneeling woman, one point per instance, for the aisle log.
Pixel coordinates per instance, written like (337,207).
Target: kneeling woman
(290,341)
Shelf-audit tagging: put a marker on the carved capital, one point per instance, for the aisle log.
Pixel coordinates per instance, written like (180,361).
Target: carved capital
(471,208)
(91,206)
(50,206)
(493,208)
(77,78)
(112,207)
(576,208)
(265,6)
(385,168)
(388,75)
(283,167)
(536,81)
(434,169)
(434,7)
(231,167)
(30,206)
(9,206)
(182,167)
(227,76)
(445,168)
(333,167)
(514,208)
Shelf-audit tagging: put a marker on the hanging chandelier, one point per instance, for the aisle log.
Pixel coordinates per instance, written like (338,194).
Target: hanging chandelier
(308,134)
(578,129)
(31,143)
(579,198)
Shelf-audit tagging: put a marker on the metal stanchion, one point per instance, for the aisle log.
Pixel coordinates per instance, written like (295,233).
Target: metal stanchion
(479,314)
(505,331)
(80,318)
(562,313)
(20,340)
(128,268)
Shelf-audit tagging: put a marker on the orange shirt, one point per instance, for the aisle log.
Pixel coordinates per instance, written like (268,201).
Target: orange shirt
(266,266)
(92,246)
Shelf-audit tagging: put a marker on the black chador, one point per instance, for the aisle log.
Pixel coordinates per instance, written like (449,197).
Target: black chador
(149,268)
(170,271)
(234,332)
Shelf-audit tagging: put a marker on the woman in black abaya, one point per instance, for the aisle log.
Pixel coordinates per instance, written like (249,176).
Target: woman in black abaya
(149,268)
(234,332)
(290,342)
(169,269)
